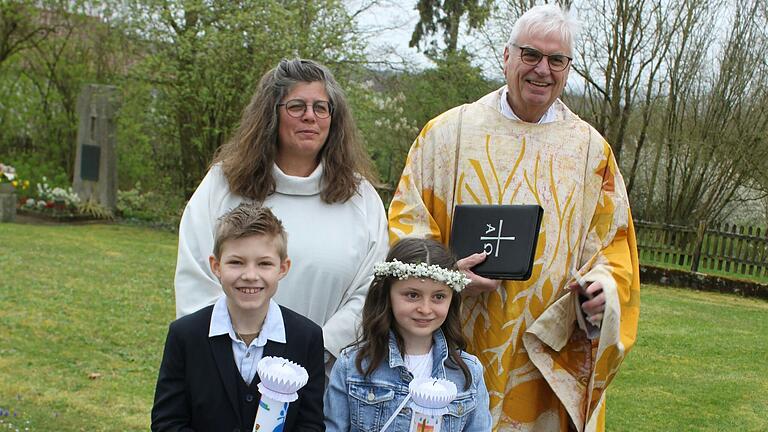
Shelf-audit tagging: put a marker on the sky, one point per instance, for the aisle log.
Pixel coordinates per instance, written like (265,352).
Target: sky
(388,24)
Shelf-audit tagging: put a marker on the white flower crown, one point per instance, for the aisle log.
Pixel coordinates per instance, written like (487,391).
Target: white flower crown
(453,278)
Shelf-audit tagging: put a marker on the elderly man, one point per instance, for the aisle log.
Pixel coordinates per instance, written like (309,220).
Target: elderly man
(549,345)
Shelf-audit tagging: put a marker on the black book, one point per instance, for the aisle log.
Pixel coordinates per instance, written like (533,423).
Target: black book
(506,233)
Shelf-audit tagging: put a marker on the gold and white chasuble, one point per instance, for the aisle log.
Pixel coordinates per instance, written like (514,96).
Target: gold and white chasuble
(540,368)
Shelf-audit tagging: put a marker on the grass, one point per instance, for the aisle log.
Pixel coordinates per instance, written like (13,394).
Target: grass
(700,364)
(84,310)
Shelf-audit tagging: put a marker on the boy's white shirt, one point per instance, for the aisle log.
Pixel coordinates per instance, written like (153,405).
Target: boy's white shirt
(246,358)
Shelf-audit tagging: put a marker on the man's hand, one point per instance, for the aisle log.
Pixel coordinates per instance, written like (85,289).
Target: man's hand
(479,284)
(594,300)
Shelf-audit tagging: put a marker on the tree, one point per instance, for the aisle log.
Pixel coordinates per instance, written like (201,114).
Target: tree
(715,131)
(43,81)
(21,27)
(446,16)
(207,56)
(399,105)
(621,55)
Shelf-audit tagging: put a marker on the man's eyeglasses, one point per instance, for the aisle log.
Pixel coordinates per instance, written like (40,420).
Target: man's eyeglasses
(297,107)
(532,57)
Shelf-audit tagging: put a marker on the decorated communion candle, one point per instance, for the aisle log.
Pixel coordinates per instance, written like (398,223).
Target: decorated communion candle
(430,399)
(281,379)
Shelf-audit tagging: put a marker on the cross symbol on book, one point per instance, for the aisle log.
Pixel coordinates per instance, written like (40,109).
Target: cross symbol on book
(490,228)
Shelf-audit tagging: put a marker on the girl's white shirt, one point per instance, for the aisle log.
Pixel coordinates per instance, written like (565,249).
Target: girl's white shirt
(420,365)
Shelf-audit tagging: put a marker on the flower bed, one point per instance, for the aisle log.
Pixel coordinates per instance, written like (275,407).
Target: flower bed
(9,181)
(46,216)
(56,202)
(45,202)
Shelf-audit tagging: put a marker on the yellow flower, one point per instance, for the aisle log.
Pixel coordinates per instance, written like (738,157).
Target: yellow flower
(26,184)
(15,183)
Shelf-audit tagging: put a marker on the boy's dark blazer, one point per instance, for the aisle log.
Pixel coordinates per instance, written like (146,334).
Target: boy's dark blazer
(197,384)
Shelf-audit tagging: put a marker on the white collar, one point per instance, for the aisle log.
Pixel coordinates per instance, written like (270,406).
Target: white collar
(293,185)
(506,110)
(273,328)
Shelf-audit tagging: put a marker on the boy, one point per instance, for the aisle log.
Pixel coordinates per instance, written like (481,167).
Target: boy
(207,379)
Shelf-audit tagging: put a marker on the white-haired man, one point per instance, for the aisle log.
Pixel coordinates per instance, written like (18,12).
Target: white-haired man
(522,145)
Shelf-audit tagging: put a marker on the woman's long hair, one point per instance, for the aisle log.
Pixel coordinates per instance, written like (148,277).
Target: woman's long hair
(247,158)
(378,318)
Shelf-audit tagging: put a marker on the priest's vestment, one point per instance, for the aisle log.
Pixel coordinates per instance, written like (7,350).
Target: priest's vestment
(541,370)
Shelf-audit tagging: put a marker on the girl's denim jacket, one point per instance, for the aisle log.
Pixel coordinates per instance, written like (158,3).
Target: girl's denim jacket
(355,403)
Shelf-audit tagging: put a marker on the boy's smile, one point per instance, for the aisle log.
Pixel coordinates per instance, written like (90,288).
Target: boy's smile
(249,270)
(249,290)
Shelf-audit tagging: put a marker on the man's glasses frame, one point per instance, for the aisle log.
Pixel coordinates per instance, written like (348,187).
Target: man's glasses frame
(296,108)
(532,57)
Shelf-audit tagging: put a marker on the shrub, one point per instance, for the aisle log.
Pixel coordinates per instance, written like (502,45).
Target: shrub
(134,203)
(95,210)
(158,208)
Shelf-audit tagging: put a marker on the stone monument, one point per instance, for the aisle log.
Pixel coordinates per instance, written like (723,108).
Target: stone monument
(7,203)
(95,177)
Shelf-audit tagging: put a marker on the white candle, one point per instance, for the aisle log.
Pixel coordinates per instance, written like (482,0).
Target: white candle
(281,379)
(431,398)
(281,375)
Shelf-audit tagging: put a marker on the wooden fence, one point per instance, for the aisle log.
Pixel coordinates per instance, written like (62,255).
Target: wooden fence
(724,249)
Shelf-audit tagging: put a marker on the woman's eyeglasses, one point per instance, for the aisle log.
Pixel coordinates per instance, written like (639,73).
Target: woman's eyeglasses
(532,57)
(297,107)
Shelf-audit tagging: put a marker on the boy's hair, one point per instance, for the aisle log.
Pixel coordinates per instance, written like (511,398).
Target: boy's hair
(378,318)
(250,219)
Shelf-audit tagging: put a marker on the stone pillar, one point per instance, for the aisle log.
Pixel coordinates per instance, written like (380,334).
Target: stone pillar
(7,203)
(96,159)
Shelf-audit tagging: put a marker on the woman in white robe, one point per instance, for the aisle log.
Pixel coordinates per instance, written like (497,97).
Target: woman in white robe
(296,150)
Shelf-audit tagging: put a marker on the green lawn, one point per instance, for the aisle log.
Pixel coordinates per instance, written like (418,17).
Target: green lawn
(700,364)
(84,310)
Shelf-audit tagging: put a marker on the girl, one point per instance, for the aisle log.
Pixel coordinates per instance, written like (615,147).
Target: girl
(410,329)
